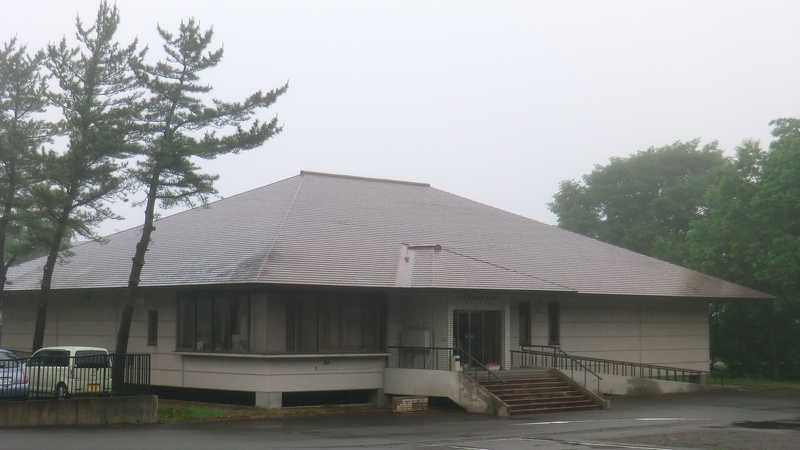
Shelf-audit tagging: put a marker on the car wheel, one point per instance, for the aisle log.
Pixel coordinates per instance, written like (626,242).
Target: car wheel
(61,392)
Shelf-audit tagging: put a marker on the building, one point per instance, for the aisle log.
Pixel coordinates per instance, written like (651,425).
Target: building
(313,283)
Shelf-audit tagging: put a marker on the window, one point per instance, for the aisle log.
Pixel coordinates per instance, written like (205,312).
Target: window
(524,324)
(554,323)
(327,323)
(50,358)
(92,359)
(152,328)
(214,322)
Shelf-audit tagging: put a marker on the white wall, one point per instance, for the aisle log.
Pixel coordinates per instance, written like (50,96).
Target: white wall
(670,332)
(81,319)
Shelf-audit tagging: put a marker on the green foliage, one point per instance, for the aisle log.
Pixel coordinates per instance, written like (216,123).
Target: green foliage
(181,124)
(97,98)
(750,233)
(23,97)
(737,218)
(644,202)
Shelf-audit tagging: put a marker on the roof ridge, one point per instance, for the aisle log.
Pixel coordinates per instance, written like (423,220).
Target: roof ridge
(597,241)
(262,267)
(354,177)
(509,269)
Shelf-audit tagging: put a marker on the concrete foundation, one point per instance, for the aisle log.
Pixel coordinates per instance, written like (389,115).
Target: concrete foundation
(80,411)
(269,400)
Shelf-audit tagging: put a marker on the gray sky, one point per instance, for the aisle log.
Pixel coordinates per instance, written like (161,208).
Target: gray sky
(496,101)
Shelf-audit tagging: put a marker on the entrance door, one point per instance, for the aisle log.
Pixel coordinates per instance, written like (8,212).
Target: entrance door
(478,333)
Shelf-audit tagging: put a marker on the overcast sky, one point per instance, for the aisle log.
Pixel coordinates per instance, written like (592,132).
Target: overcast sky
(496,101)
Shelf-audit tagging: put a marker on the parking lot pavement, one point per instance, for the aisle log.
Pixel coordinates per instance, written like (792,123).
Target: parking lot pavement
(716,420)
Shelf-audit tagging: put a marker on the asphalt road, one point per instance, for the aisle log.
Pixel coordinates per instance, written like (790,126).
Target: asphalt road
(719,420)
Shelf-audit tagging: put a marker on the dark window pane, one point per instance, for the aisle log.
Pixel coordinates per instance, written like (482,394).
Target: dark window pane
(352,326)
(186,323)
(222,323)
(524,323)
(329,325)
(93,359)
(240,324)
(51,358)
(308,330)
(554,323)
(152,328)
(204,323)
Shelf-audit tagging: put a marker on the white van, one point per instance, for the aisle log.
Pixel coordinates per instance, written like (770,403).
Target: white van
(66,371)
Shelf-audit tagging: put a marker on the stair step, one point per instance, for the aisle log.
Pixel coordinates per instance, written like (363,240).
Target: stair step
(553,403)
(523,384)
(547,393)
(532,390)
(570,398)
(514,411)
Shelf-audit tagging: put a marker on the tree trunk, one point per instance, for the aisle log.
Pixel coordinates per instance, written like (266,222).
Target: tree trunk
(47,281)
(44,296)
(123,333)
(8,206)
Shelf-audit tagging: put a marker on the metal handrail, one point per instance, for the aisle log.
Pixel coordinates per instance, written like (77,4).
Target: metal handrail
(474,363)
(576,359)
(624,368)
(556,353)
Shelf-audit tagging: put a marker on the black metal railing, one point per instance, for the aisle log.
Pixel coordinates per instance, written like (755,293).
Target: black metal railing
(555,356)
(54,375)
(475,368)
(439,358)
(430,358)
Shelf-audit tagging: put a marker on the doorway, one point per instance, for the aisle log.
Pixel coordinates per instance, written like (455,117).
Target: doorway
(478,333)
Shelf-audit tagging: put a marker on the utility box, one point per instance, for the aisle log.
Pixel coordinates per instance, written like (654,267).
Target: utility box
(409,404)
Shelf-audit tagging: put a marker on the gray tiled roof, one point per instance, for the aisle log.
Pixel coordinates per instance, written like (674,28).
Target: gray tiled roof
(320,229)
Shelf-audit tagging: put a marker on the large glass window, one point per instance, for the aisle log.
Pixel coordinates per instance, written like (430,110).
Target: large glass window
(214,322)
(328,323)
(554,323)
(524,324)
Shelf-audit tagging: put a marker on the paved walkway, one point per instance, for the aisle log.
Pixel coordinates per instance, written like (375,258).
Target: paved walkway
(720,420)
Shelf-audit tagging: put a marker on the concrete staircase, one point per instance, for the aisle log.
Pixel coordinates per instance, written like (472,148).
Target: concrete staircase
(532,391)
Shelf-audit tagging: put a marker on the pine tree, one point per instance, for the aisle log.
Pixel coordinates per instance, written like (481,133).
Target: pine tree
(23,97)
(180,124)
(97,96)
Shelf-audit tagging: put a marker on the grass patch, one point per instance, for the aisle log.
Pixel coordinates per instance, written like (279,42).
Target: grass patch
(756,383)
(177,411)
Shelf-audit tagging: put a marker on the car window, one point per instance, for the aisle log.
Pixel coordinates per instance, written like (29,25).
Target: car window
(92,359)
(50,358)
(7,360)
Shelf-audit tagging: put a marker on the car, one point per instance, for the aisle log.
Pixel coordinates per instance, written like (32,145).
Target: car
(67,371)
(13,376)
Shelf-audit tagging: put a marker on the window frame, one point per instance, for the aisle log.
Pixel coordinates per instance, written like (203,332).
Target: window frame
(297,303)
(152,328)
(214,296)
(554,323)
(525,326)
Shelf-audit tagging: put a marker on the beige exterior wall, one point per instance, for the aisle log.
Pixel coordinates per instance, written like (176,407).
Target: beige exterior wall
(670,332)
(81,319)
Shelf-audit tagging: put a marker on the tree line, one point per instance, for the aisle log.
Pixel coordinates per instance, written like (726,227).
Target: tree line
(90,119)
(735,217)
